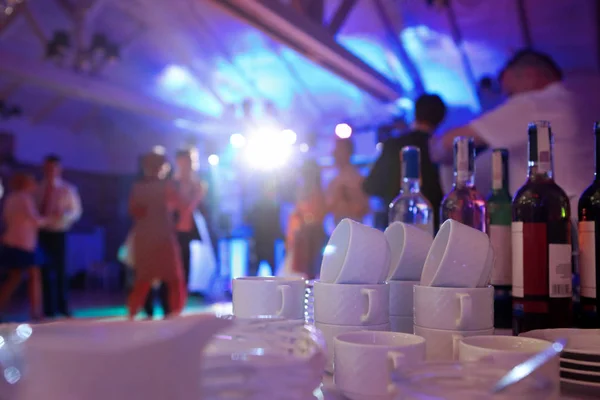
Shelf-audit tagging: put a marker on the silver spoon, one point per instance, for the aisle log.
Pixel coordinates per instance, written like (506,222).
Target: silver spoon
(525,368)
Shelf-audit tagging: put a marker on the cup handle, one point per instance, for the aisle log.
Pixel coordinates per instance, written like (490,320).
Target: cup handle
(395,359)
(285,305)
(465,305)
(373,304)
(455,339)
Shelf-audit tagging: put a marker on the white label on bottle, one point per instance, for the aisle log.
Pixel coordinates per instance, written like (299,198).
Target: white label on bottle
(560,275)
(543,148)
(587,258)
(462,160)
(518,287)
(497,170)
(500,237)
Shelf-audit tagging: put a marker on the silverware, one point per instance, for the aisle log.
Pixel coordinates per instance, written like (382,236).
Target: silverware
(525,368)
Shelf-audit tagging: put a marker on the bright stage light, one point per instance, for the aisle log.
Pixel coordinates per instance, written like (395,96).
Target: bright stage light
(289,136)
(304,148)
(159,150)
(237,140)
(343,131)
(267,150)
(213,160)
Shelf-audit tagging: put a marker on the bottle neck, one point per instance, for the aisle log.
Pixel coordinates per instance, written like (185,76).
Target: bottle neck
(410,159)
(540,152)
(500,170)
(464,179)
(410,185)
(464,162)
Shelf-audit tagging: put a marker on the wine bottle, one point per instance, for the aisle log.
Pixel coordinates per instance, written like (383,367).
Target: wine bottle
(464,203)
(410,206)
(541,242)
(589,244)
(499,204)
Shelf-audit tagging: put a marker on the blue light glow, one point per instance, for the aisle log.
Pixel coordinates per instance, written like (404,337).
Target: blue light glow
(439,63)
(177,85)
(380,58)
(175,77)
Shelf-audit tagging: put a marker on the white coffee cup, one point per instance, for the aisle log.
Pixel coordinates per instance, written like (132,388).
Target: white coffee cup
(401,324)
(508,351)
(355,253)
(459,256)
(442,345)
(364,360)
(351,304)
(330,331)
(409,246)
(260,297)
(401,298)
(454,308)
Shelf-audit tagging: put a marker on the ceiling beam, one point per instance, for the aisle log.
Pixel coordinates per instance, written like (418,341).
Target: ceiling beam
(524,24)
(315,9)
(69,84)
(341,15)
(69,8)
(457,36)
(398,47)
(34,24)
(314,41)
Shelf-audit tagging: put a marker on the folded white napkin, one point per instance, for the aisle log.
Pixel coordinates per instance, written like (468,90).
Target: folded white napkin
(155,360)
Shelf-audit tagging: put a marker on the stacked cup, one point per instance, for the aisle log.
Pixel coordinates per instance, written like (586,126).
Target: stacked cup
(351,294)
(454,299)
(408,249)
(269,297)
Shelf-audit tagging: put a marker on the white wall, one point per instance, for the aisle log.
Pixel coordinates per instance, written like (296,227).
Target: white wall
(106,153)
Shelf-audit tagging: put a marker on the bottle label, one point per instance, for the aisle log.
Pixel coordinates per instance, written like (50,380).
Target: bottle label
(497,170)
(518,278)
(560,276)
(587,258)
(543,150)
(539,268)
(462,160)
(500,237)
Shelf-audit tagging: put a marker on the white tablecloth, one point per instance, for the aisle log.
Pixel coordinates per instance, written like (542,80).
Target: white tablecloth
(330,392)
(569,392)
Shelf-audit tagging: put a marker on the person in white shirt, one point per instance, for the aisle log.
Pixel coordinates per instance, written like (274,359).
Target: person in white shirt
(59,202)
(344,196)
(19,242)
(535,89)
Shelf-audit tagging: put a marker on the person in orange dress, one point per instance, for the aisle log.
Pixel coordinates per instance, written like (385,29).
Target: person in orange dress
(305,236)
(157,256)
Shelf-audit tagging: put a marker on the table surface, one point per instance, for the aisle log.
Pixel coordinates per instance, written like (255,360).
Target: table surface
(569,392)
(329,392)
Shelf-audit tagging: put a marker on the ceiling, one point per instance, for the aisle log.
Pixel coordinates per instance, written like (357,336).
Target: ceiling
(188,66)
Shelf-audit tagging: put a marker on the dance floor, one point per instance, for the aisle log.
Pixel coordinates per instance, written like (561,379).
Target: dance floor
(101,305)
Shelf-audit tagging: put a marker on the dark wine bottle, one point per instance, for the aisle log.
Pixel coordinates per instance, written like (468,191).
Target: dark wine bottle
(499,203)
(541,242)
(589,244)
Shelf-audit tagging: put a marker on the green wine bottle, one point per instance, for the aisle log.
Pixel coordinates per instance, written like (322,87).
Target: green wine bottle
(500,218)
